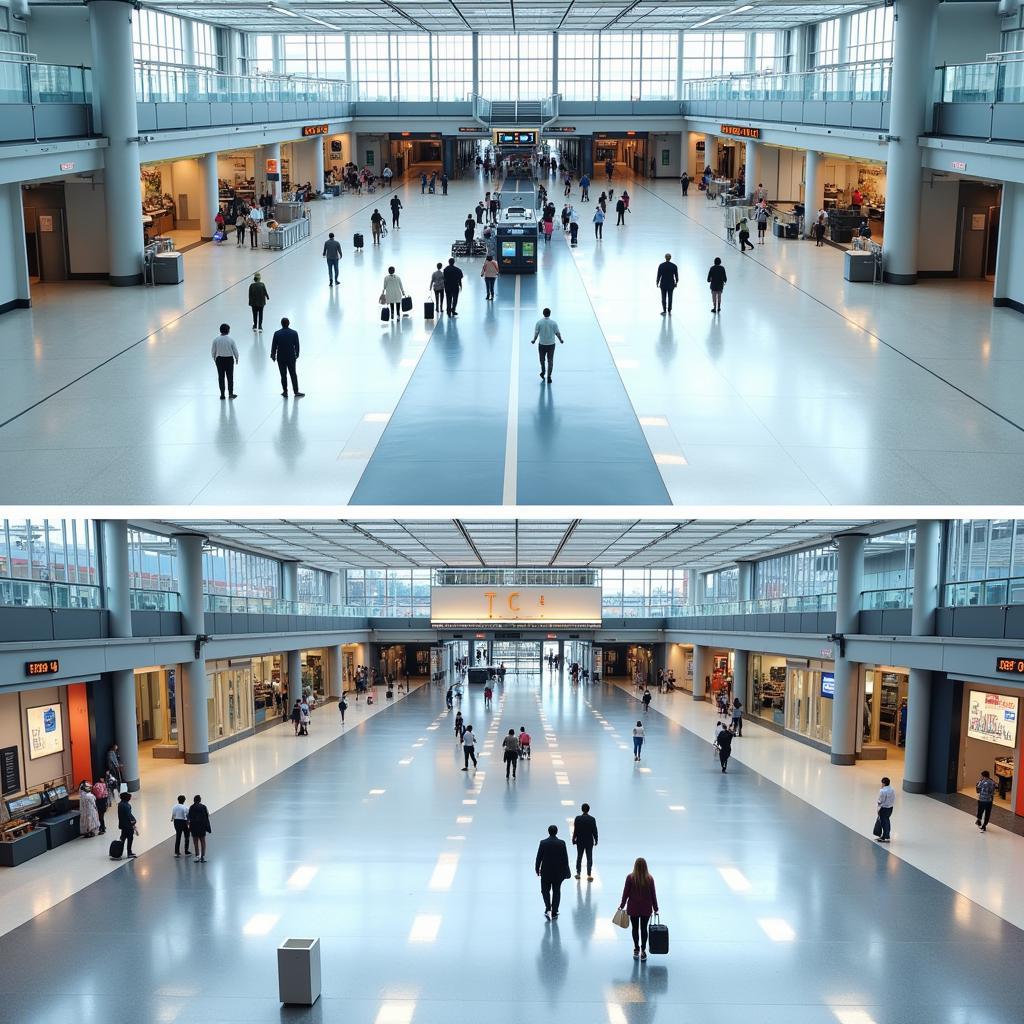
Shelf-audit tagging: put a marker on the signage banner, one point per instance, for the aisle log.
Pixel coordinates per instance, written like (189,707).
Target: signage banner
(45,730)
(10,770)
(271,166)
(740,130)
(461,606)
(992,717)
(828,685)
(314,129)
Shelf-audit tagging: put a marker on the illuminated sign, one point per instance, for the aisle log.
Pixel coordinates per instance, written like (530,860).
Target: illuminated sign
(68,166)
(478,130)
(271,166)
(42,668)
(45,730)
(560,130)
(1012,665)
(740,130)
(992,717)
(828,685)
(313,129)
(959,165)
(516,138)
(478,606)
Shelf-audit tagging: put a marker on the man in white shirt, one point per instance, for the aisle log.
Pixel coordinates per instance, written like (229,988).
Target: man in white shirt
(179,819)
(225,355)
(886,802)
(544,333)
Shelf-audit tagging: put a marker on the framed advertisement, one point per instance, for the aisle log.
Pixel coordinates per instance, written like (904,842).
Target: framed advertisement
(992,717)
(45,730)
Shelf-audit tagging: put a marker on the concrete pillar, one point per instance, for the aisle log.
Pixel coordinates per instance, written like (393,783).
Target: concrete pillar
(113,76)
(117,598)
(316,148)
(290,581)
(337,588)
(753,161)
(195,687)
(294,677)
(922,623)
(271,151)
(692,586)
(476,62)
(335,681)
(12,219)
(554,62)
(745,589)
(845,704)
(740,671)
(700,663)
(814,190)
(711,152)
(908,112)
(209,195)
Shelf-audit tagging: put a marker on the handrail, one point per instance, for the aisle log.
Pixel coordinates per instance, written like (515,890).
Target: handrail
(771,73)
(17,593)
(981,82)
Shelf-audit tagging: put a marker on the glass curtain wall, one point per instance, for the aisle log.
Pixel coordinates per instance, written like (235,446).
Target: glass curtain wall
(410,67)
(889,570)
(722,585)
(984,562)
(231,573)
(796,574)
(159,37)
(311,55)
(871,33)
(314,585)
(825,44)
(712,54)
(396,593)
(49,563)
(152,571)
(515,67)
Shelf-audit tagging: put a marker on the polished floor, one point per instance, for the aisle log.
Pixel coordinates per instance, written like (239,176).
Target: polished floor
(418,880)
(807,390)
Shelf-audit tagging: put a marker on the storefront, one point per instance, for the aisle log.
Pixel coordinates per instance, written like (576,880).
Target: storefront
(156,711)
(410,660)
(634,662)
(884,691)
(767,694)
(229,703)
(269,689)
(792,695)
(854,189)
(989,741)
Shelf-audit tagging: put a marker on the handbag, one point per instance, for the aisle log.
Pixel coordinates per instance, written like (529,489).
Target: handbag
(383,300)
(621,918)
(877,830)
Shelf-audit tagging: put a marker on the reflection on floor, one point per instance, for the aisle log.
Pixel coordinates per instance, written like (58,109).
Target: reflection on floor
(806,390)
(418,880)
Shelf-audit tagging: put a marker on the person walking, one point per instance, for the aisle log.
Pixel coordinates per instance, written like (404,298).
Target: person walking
(396,211)
(480,208)
(423,183)
(646,700)
(724,748)
(717,279)
(199,826)
(101,792)
(584,838)
(545,331)
(574,226)
(667,279)
(392,292)
(819,228)
(552,867)
(88,816)
(225,356)
(284,350)
(304,717)
(620,212)
(387,174)
(737,717)
(296,717)
(258,299)
(524,743)
(126,823)
(179,819)
(585,189)
(510,752)
(488,695)
(342,707)
(449,699)
(599,219)
(240,229)
(762,223)
(255,219)
(468,747)
(332,253)
(986,790)
(638,740)
(640,901)
(549,229)
(459,726)
(469,230)
(684,182)
(886,802)
(376,225)
(489,272)
(452,286)
(444,183)
(743,230)
(437,288)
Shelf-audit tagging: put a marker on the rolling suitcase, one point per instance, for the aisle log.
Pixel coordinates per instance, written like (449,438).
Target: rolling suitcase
(390,694)
(657,937)
(117,849)
(385,314)
(406,303)
(428,311)
(357,240)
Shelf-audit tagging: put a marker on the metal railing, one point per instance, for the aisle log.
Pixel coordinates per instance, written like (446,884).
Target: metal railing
(277,606)
(759,606)
(984,592)
(42,594)
(891,597)
(25,80)
(993,81)
(864,81)
(155,601)
(157,82)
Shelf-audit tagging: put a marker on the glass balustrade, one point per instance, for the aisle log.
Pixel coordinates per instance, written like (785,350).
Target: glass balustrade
(861,82)
(25,81)
(155,601)
(984,82)
(984,592)
(41,594)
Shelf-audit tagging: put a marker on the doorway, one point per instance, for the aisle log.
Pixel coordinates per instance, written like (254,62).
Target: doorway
(520,657)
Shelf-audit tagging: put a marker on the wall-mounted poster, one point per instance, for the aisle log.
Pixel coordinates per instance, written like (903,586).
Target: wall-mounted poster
(45,730)
(992,717)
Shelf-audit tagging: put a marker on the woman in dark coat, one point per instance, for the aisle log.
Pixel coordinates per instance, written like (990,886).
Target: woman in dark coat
(640,901)
(199,826)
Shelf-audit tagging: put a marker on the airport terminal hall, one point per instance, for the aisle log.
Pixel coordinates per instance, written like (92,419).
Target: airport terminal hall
(835,190)
(795,739)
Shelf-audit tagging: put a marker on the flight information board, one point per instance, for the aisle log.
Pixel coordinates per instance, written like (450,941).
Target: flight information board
(516,138)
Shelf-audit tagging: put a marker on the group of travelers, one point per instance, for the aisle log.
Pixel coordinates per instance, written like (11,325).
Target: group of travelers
(429,185)
(245,219)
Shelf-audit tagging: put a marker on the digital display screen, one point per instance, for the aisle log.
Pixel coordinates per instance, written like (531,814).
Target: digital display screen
(508,250)
(24,803)
(45,730)
(828,685)
(992,717)
(42,668)
(530,249)
(517,138)
(1014,665)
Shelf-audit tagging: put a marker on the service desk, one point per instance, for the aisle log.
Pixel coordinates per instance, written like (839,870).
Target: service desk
(285,235)
(60,829)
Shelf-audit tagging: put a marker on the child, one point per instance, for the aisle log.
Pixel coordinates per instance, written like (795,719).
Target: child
(524,743)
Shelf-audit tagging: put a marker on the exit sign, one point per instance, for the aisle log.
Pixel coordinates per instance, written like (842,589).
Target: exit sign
(42,668)
(959,165)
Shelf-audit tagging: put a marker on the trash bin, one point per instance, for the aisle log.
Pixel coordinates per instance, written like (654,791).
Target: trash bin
(859,266)
(168,268)
(298,971)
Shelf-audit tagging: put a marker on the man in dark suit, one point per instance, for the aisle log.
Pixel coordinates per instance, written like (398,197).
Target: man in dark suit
(668,278)
(285,352)
(584,838)
(552,866)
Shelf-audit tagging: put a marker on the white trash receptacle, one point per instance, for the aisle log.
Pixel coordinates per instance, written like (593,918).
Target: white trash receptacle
(298,971)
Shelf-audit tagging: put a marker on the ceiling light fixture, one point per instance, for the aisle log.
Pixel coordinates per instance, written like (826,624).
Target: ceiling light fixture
(277,9)
(724,14)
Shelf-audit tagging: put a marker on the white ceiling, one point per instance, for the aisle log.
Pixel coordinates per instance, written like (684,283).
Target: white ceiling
(391,543)
(501,15)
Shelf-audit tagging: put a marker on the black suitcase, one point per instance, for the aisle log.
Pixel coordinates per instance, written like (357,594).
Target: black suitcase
(428,311)
(406,303)
(385,314)
(657,937)
(117,849)
(390,694)
(357,240)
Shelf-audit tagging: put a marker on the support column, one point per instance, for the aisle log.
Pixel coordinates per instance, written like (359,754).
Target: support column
(290,581)
(209,195)
(337,589)
(117,592)
(745,588)
(849,583)
(476,63)
(700,661)
(554,62)
(814,190)
(922,623)
(908,111)
(335,682)
(12,227)
(693,594)
(711,152)
(113,74)
(294,678)
(753,160)
(195,687)
(317,151)
(272,151)
(740,667)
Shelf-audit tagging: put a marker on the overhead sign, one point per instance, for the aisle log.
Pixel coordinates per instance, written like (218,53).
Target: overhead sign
(516,138)
(399,136)
(992,717)
(475,606)
(45,730)
(42,668)
(560,130)
(68,165)
(740,130)
(10,771)
(475,130)
(314,129)
(828,685)
(621,135)
(272,166)
(959,165)
(1015,666)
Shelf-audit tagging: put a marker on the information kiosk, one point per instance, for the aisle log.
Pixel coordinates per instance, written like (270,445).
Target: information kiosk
(517,227)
